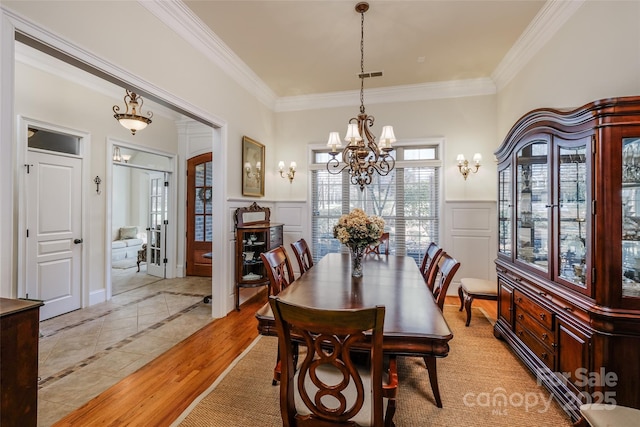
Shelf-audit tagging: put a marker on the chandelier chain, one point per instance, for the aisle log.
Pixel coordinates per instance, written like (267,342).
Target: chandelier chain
(362,62)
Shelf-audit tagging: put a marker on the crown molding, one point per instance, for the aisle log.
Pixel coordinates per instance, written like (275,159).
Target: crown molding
(553,15)
(406,93)
(178,17)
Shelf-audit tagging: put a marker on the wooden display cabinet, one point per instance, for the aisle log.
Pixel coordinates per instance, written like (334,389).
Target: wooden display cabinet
(569,250)
(254,234)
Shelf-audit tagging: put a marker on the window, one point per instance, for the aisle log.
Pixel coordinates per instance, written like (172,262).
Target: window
(408,199)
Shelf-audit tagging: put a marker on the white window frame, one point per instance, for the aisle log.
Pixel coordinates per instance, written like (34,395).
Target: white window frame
(436,142)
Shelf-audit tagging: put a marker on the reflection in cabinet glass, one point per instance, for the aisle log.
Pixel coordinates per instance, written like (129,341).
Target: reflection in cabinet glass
(572,199)
(532,233)
(631,217)
(504,212)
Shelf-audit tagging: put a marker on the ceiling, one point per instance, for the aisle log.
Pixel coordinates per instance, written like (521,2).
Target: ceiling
(310,47)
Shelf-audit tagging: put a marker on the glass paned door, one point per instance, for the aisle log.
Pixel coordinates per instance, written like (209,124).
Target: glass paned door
(532,211)
(631,217)
(199,215)
(156,238)
(505,203)
(572,214)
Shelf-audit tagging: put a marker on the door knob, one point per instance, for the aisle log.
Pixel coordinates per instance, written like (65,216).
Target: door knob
(77,241)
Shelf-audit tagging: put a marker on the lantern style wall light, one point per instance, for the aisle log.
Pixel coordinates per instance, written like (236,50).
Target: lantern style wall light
(463,164)
(290,173)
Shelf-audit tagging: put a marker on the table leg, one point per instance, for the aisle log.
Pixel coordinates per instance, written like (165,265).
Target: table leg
(430,362)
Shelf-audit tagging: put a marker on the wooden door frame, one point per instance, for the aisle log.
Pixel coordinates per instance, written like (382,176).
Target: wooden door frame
(196,264)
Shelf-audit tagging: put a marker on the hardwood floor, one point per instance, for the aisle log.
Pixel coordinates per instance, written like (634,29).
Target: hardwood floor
(160,391)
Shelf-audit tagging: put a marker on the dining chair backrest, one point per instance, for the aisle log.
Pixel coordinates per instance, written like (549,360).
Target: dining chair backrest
(447,268)
(384,240)
(327,387)
(278,267)
(303,255)
(429,265)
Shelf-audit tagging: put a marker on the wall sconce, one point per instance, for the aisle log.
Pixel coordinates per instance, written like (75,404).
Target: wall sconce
(117,157)
(291,173)
(463,164)
(248,169)
(126,158)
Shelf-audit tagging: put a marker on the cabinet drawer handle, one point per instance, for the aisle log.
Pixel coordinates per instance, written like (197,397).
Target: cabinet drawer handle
(567,308)
(554,345)
(544,336)
(520,333)
(543,316)
(542,294)
(545,356)
(550,206)
(518,300)
(520,317)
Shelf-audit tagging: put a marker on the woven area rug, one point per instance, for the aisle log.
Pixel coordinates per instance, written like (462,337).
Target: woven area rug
(481,384)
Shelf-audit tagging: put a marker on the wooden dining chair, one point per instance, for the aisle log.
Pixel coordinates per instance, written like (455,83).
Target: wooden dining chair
(303,255)
(429,265)
(446,267)
(328,387)
(384,240)
(278,268)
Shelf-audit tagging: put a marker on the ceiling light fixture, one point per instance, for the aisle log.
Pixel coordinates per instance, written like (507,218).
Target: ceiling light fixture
(360,157)
(130,119)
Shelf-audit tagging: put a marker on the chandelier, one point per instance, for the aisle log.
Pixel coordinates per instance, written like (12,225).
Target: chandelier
(362,156)
(130,119)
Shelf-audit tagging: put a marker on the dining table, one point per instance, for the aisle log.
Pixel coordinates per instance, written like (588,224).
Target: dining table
(413,325)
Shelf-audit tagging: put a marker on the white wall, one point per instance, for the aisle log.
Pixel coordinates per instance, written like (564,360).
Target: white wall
(595,55)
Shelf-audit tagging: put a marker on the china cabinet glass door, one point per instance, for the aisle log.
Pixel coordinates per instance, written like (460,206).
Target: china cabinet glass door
(505,204)
(572,214)
(631,217)
(532,210)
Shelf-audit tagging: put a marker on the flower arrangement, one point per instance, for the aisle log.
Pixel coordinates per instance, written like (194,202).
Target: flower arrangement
(358,230)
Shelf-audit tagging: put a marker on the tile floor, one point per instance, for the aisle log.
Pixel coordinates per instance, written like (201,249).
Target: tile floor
(84,352)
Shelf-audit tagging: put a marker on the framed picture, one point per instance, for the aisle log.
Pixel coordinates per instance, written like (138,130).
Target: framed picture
(252,168)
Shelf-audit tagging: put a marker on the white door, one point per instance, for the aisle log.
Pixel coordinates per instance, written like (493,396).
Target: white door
(54,240)
(157,231)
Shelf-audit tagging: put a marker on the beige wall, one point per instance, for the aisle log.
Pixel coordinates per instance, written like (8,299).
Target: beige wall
(467,125)
(595,55)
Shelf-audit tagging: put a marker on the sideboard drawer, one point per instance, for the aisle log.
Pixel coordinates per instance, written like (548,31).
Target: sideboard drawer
(542,315)
(543,353)
(543,334)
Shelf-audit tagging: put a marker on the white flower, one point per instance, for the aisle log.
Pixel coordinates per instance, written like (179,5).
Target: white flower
(357,229)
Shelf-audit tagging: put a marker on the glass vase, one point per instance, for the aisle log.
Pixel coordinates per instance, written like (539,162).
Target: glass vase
(357,253)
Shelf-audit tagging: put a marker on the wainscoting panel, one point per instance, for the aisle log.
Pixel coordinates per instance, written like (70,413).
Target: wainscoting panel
(294,217)
(470,236)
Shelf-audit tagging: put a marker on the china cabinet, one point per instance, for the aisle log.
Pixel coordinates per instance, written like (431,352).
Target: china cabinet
(254,234)
(568,261)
